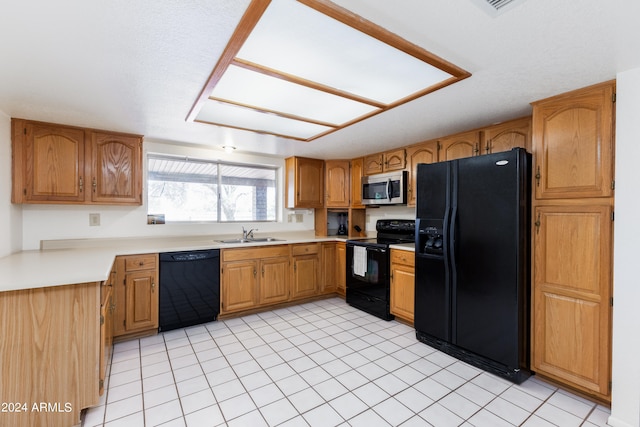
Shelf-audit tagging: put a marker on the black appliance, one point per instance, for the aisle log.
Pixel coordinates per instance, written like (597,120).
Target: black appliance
(385,188)
(368,266)
(472,260)
(189,288)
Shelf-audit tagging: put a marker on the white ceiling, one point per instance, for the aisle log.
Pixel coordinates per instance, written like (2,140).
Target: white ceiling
(138,66)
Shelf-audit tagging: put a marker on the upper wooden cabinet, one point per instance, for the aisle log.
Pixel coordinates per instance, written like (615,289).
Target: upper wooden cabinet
(461,145)
(337,183)
(573,144)
(304,182)
(508,135)
(385,162)
(116,168)
(426,152)
(357,171)
(65,164)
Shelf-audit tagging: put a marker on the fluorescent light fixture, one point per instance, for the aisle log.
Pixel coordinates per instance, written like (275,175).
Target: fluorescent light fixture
(301,69)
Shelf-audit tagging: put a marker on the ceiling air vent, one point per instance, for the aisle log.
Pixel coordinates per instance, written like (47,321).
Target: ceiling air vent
(496,7)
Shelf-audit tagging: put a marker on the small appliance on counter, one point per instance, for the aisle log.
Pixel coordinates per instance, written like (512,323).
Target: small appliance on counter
(342,221)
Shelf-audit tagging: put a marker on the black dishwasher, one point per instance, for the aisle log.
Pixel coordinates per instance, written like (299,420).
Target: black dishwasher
(189,288)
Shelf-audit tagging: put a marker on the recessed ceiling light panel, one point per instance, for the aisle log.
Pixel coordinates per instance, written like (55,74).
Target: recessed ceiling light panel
(302,69)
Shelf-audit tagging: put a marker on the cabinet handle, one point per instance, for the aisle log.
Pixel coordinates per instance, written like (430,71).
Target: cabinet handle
(153,286)
(537,224)
(81,184)
(538,176)
(94,184)
(254,272)
(262,271)
(476,150)
(488,147)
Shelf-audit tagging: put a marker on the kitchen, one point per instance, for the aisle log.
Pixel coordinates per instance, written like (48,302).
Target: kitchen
(25,226)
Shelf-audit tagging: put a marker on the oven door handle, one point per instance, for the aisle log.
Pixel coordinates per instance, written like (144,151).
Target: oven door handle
(376,249)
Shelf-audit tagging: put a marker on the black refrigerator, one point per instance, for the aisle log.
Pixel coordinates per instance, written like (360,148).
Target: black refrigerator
(472,260)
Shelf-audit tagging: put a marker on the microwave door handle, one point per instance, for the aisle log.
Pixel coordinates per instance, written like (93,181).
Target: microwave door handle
(389,189)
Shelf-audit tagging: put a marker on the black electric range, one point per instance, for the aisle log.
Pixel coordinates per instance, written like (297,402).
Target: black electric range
(368,277)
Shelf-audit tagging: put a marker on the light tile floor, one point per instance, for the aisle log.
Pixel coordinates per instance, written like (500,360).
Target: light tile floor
(317,364)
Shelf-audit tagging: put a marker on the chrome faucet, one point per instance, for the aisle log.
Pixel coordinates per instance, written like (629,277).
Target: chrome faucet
(248,234)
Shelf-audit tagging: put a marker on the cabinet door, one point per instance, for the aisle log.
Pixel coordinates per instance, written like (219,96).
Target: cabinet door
(328,267)
(239,286)
(305,276)
(394,160)
(274,280)
(341,268)
(106,334)
(304,181)
(141,300)
(460,146)
(357,171)
(337,183)
(54,164)
(116,169)
(573,144)
(571,295)
(423,153)
(508,135)
(373,164)
(402,291)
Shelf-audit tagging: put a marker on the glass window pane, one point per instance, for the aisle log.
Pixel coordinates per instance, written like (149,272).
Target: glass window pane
(188,190)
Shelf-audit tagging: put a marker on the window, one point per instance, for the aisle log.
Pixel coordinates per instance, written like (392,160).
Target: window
(193,190)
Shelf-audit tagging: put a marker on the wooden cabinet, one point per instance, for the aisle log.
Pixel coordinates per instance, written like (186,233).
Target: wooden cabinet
(50,353)
(508,135)
(65,164)
(337,183)
(458,146)
(253,277)
(117,168)
(305,277)
(385,162)
(357,172)
(328,274)
(573,144)
(427,152)
(136,294)
(107,307)
(402,284)
(572,294)
(273,282)
(572,239)
(341,268)
(304,182)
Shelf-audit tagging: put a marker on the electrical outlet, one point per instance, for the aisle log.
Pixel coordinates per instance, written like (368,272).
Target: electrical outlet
(299,218)
(289,217)
(94,219)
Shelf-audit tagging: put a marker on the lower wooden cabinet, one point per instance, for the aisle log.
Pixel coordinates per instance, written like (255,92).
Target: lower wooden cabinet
(305,274)
(136,295)
(341,268)
(571,308)
(402,284)
(253,277)
(107,307)
(328,274)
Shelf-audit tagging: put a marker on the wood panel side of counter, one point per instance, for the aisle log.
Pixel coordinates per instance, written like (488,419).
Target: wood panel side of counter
(49,353)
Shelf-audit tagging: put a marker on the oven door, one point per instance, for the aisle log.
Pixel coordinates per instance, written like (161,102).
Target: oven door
(369,290)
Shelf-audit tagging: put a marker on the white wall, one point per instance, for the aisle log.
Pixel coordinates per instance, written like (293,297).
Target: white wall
(10,219)
(625,407)
(52,222)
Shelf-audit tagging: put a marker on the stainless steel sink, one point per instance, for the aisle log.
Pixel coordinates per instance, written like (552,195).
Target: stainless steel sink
(251,240)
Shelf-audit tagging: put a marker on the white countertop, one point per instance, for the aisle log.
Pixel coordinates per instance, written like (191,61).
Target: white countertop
(65,262)
(404,246)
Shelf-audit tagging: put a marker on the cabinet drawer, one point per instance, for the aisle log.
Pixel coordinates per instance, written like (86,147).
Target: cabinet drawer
(403,257)
(305,249)
(254,252)
(141,262)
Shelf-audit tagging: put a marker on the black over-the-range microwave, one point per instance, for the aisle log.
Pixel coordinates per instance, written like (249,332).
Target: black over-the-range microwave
(385,189)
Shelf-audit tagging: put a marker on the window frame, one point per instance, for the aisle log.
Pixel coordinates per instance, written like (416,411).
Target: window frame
(219,164)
